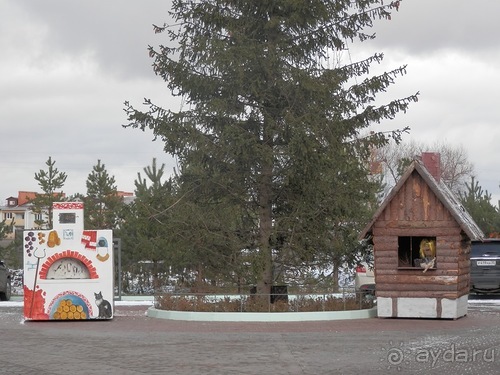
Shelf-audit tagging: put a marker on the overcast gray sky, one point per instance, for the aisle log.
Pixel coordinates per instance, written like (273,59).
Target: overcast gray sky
(66,67)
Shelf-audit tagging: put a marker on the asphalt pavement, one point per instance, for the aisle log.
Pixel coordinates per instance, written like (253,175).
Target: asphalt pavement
(132,343)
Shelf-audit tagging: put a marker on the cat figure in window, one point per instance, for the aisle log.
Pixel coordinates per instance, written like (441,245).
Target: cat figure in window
(105,309)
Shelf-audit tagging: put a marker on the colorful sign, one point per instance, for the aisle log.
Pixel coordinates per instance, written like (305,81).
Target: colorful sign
(68,271)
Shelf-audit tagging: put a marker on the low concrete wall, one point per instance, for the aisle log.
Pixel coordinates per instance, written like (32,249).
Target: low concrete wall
(261,317)
(428,308)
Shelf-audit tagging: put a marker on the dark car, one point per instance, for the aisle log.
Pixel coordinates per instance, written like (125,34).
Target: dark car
(485,266)
(5,282)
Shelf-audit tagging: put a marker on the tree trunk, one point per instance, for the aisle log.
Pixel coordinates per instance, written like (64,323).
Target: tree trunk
(335,276)
(266,257)
(265,280)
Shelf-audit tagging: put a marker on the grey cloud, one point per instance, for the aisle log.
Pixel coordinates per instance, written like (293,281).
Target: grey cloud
(116,34)
(426,26)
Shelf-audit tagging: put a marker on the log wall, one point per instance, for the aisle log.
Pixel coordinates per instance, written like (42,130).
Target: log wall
(417,212)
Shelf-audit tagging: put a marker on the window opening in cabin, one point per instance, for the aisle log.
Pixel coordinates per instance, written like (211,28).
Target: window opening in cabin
(417,252)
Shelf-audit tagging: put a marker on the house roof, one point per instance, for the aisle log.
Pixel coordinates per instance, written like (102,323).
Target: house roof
(24,197)
(443,193)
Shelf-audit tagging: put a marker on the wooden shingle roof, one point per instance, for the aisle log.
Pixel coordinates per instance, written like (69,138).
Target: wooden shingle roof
(442,192)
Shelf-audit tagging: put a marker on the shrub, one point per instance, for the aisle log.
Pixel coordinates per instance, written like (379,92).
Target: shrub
(255,303)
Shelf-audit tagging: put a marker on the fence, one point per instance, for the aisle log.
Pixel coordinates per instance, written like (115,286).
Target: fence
(202,302)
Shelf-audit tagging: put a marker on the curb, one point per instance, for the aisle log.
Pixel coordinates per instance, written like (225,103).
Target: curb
(261,317)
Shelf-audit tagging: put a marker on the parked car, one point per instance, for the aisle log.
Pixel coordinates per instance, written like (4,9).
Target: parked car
(364,280)
(5,282)
(485,266)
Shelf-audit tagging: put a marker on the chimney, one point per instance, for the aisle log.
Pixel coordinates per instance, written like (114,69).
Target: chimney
(432,162)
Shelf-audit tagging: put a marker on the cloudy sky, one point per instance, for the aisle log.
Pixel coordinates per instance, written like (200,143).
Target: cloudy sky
(66,68)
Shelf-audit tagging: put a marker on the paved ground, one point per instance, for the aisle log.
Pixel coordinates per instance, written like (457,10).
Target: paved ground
(132,343)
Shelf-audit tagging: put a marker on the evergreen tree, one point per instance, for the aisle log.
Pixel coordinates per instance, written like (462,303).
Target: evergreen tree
(144,227)
(212,232)
(5,228)
(12,252)
(478,203)
(50,182)
(102,201)
(270,124)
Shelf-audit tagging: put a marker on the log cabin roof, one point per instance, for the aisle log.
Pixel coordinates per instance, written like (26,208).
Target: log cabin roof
(442,192)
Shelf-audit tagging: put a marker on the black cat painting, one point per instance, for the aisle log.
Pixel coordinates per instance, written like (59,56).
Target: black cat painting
(105,309)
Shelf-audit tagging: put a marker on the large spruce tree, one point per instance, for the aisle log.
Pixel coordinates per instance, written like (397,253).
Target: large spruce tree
(272,123)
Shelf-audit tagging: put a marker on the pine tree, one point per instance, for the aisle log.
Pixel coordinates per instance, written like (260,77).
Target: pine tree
(144,228)
(478,203)
(5,228)
(102,201)
(50,182)
(270,124)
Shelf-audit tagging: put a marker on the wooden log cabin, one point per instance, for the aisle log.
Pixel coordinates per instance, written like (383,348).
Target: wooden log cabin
(421,238)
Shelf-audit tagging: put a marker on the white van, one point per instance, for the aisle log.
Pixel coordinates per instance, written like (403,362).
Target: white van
(364,280)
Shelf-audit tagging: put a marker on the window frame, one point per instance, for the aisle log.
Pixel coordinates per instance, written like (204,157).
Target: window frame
(409,252)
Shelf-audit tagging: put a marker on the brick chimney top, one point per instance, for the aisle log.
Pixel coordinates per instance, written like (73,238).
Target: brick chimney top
(432,162)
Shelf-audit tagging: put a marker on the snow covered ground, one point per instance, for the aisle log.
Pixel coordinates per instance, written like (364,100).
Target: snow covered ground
(475,302)
(132,301)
